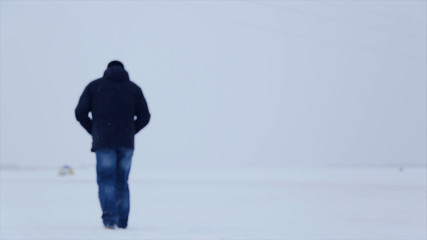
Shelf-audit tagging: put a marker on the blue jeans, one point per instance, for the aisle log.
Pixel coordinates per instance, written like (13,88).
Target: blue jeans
(112,169)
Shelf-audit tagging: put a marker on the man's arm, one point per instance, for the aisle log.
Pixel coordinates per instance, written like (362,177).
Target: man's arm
(142,113)
(82,110)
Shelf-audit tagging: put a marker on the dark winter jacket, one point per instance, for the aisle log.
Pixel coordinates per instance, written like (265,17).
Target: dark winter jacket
(118,109)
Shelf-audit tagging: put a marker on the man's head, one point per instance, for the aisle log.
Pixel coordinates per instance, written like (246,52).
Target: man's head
(115,63)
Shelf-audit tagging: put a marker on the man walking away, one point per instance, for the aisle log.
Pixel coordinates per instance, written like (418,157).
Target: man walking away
(119,111)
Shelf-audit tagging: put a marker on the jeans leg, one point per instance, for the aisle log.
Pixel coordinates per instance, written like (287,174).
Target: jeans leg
(106,165)
(122,187)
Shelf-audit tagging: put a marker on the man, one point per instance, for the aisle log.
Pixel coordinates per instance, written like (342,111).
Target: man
(119,111)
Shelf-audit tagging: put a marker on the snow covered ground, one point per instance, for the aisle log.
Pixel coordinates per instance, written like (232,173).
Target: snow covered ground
(288,203)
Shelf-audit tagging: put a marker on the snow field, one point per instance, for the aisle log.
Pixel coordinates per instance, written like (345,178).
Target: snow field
(243,204)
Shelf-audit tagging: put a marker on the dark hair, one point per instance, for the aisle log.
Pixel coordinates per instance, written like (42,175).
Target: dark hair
(116,63)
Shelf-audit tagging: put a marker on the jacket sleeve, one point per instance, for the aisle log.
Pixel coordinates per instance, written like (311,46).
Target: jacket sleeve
(141,112)
(83,108)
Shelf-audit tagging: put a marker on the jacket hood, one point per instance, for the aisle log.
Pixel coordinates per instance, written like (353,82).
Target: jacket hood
(116,73)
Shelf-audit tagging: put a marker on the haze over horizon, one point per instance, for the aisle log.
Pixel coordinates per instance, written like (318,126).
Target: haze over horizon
(228,83)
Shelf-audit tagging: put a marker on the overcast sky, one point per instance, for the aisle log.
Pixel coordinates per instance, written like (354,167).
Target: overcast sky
(228,83)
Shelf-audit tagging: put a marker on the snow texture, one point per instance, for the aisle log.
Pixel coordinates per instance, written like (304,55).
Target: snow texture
(291,203)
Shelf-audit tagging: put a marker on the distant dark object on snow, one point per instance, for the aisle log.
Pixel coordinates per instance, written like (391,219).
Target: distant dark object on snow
(65,170)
